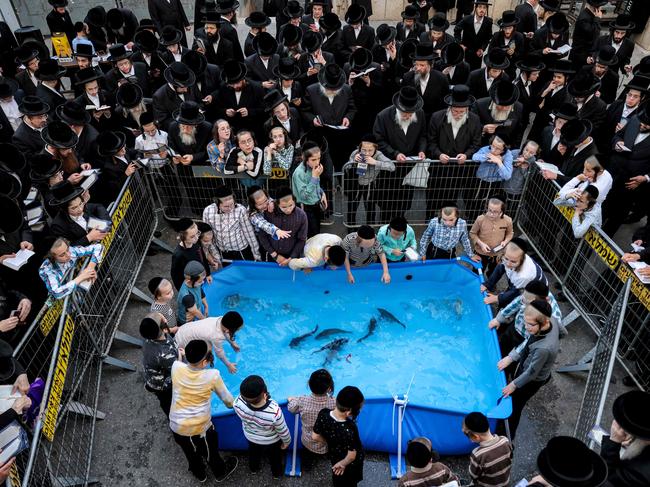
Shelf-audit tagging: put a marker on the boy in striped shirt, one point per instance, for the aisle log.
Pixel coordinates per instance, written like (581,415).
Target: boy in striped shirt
(491,461)
(263,424)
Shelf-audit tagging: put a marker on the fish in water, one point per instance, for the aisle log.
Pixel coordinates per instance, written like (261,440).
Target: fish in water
(458,308)
(332,348)
(372,326)
(388,316)
(297,340)
(328,332)
(232,300)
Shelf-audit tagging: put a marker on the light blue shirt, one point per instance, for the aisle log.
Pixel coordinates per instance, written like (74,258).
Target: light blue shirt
(490,172)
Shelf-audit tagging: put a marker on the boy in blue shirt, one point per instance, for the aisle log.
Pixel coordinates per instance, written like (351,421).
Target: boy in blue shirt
(192,304)
(396,238)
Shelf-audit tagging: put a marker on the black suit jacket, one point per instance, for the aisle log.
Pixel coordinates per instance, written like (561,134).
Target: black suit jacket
(165,12)
(224,50)
(624,53)
(28,141)
(366,39)
(433,96)
(111,179)
(392,140)
(7,45)
(574,163)
(104,99)
(304,63)
(63,226)
(497,42)
(228,31)
(251,99)
(473,41)
(527,18)
(624,165)
(61,23)
(49,97)
(612,119)
(86,148)
(316,104)
(609,86)
(529,101)
(541,40)
(198,150)
(256,69)
(415,32)
(140,70)
(440,137)
(165,102)
(333,44)
(585,34)
(625,472)
(514,128)
(128,28)
(478,85)
(26,83)
(461,74)
(295,124)
(595,110)
(447,39)
(548,152)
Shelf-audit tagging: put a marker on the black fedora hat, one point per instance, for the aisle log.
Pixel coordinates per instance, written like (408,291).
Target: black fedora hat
(287,68)
(330,22)
(43,167)
(213,17)
(293,10)
(452,54)
(63,192)
(482,2)
(311,41)
(10,184)
(508,19)
(33,105)
(557,23)
(272,99)
(257,19)
(170,35)
(178,74)
(265,44)
(84,50)
(563,66)
(531,62)
(96,16)
(607,56)
(196,61)
(118,52)
(575,131)
(643,68)
(583,85)
(550,5)
(11,158)
(423,52)
(87,75)
(115,19)
(496,59)
(504,93)
(12,217)
(128,95)
(438,23)
(408,100)
(233,71)
(360,59)
(385,34)
(355,14)
(622,22)
(49,70)
(24,54)
(189,114)
(411,12)
(406,52)
(460,96)
(8,88)
(332,76)
(291,35)
(146,41)
(316,136)
(73,113)
(227,6)
(109,143)
(566,461)
(146,25)
(58,134)
(566,111)
(58,3)
(638,82)
(630,411)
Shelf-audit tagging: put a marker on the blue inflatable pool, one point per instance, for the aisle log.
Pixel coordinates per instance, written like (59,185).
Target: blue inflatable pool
(430,340)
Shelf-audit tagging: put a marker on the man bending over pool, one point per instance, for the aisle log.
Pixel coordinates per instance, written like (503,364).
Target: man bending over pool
(322,249)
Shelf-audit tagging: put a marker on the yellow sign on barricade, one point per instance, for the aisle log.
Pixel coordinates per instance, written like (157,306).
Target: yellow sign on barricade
(118,216)
(51,317)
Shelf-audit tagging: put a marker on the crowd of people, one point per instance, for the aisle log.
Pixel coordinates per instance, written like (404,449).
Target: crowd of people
(387,106)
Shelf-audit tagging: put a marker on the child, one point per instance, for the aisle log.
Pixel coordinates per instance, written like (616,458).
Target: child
(593,173)
(163,293)
(279,152)
(210,250)
(520,166)
(220,145)
(491,232)
(495,167)
(587,213)
(189,418)
(187,250)
(151,140)
(192,304)
(426,470)
(337,428)
(306,186)
(366,162)
(214,331)
(260,202)
(244,157)
(491,461)
(159,352)
(362,248)
(442,235)
(321,385)
(263,424)
(397,238)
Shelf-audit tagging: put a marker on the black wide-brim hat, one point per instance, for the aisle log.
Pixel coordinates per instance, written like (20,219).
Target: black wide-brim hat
(233,71)
(118,52)
(25,54)
(265,44)
(84,50)
(410,12)
(10,184)
(129,95)
(460,96)
(504,93)
(146,24)
(452,54)
(566,461)
(109,143)
(531,62)
(8,88)
(49,70)
(43,167)
(257,20)
(330,22)
(33,105)
(196,61)
(607,56)
(169,36)
(178,74)
(96,16)
(643,68)
(508,19)
(188,114)
(355,14)
(406,52)
(496,59)
(423,52)
(146,41)
(312,41)
(360,59)
(64,192)
(293,9)
(73,113)
(439,23)
(287,68)
(291,35)
(58,134)
(557,23)
(115,19)
(622,22)
(12,217)
(87,75)
(385,34)
(332,77)
(11,158)
(272,99)
(583,85)
(575,131)
(563,66)
(316,136)
(58,3)
(213,17)
(631,411)
(550,5)
(226,6)
(566,111)
(408,100)
(639,82)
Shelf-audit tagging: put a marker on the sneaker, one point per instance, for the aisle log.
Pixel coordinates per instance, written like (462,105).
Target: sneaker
(231,465)
(200,476)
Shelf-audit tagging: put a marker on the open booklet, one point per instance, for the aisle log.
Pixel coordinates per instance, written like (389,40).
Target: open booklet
(21,258)
(362,73)
(545,166)
(13,440)
(637,266)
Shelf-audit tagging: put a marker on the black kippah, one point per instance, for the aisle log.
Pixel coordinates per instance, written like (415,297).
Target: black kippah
(477,422)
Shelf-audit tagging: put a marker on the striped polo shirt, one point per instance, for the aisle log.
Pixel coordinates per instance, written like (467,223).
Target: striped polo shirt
(490,463)
(264,425)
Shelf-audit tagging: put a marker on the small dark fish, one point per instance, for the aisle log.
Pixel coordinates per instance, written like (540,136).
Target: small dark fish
(329,332)
(296,341)
(388,316)
(372,326)
(332,348)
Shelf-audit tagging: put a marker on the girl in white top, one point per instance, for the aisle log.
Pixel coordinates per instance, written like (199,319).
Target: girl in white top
(594,174)
(587,212)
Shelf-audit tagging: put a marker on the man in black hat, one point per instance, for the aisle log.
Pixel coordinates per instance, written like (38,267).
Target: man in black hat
(509,40)
(552,96)
(430,84)
(357,33)
(530,68)
(332,38)
(27,57)
(170,38)
(148,53)
(208,39)
(98,102)
(60,141)
(627,448)
(49,73)
(551,41)
(179,87)
(125,71)
(526,14)
(437,35)
(260,65)
(290,45)
(208,80)
(576,145)
(549,140)
(474,33)
(96,21)
(10,116)
(313,59)
(169,12)
(58,20)
(364,77)
(189,135)
(315,10)
(228,11)
(622,110)
(410,27)
(7,45)
(618,39)
(583,89)
(121,26)
(129,108)
(78,119)
(586,32)
(116,165)
(286,74)
(480,80)
(603,70)
(452,65)
(27,136)
(257,22)
(501,113)
(84,55)
(291,15)
(385,55)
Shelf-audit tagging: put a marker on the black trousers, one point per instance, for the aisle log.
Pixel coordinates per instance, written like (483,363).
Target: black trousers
(519,399)
(245,254)
(489,263)
(313,218)
(438,253)
(273,452)
(356,193)
(201,449)
(164,398)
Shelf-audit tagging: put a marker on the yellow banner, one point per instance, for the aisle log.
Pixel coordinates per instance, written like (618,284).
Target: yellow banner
(606,253)
(118,216)
(279,173)
(51,317)
(61,45)
(58,380)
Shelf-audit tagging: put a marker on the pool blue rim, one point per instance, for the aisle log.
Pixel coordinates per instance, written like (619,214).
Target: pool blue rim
(500,411)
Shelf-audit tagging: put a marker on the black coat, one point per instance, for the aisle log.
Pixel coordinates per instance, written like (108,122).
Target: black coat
(513,129)
(624,473)
(549,152)
(61,23)
(447,39)
(574,163)
(304,62)
(248,45)
(316,104)
(256,69)
(224,50)
(608,84)
(127,124)
(26,83)
(164,12)
(252,99)
(64,226)
(527,18)
(7,45)
(415,32)
(465,34)
(198,150)
(625,165)
(28,141)
(86,148)
(295,125)
(528,99)
(595,110)
(49,97)
(111,179)
(461,74)
(517,39)
(542,40)
(433,96)
(104,99)
(478,85)
(585,33)
(228,31)
(209,84)
(365,39)
(114,76)
(612,119)
(166,101)
(440,137)
(624,53)
(391,138)
(181,257)
(333,44)
(128,28)
(551,102)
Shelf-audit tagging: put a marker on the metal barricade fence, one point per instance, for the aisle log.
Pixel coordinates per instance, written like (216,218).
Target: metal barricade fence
(591,272)
(417,190)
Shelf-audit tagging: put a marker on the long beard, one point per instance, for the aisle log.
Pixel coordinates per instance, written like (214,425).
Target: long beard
(634,449)
(404,124)
(189,139)
(70,163)
(328,94)
(499,115)
(456,124)
(136,112)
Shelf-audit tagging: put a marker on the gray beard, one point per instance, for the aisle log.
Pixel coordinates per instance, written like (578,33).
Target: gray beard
(136,112)
(404,124)
(498,115)
(456,124)
(635,449)
(188,139)
(327,95)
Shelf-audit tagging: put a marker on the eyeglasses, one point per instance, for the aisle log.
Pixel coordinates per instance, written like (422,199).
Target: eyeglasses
(494,212)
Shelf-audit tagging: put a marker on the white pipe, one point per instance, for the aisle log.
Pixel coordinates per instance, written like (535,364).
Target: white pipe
(294,455)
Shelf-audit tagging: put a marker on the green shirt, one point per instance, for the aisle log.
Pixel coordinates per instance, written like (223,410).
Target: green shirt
(305,188)
(389,243)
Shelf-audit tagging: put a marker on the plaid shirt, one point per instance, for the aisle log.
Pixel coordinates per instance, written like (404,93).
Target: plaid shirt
(232,231)
(53,274)
(444,237)
(308,407)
